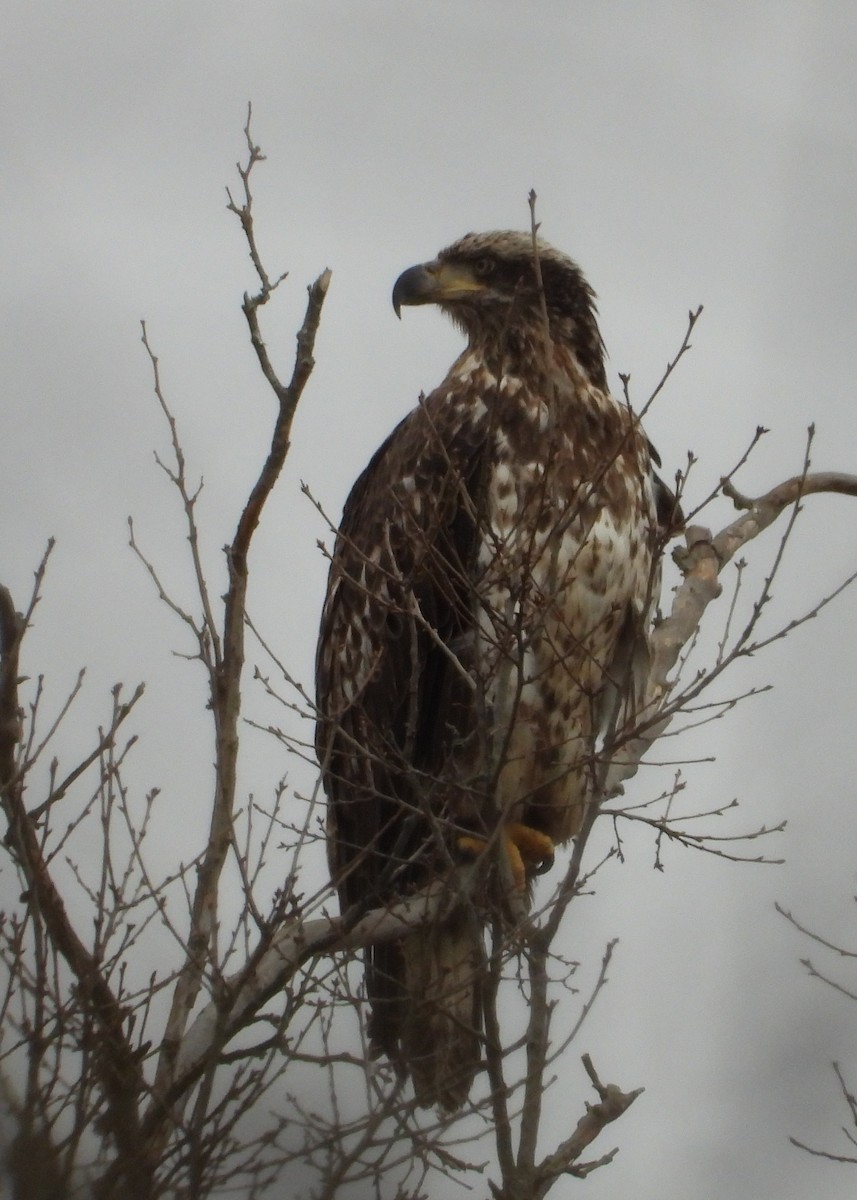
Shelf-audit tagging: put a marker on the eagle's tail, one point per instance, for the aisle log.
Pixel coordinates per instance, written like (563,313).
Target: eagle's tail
(441,1033)
(438,1012)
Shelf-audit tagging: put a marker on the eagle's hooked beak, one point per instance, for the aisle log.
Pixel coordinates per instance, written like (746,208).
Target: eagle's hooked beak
(433,283)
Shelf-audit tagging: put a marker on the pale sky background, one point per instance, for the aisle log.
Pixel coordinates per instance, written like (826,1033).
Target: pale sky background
(683,153)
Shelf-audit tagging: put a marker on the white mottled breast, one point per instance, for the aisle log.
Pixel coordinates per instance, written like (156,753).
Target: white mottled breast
(565,563)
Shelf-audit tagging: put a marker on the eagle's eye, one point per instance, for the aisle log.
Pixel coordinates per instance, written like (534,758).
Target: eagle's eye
(483,266)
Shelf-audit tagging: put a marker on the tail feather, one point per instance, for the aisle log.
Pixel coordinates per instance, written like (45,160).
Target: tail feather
(428,1020)
(385,972)
(441,1040)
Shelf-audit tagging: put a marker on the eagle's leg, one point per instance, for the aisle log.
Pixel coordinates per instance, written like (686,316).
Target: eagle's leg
(529,851)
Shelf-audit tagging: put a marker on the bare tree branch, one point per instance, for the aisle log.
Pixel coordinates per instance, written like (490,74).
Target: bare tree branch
(116,1064)
(225,699)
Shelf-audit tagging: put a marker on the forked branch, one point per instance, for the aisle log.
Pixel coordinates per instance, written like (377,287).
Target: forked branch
(225,699)
(116,1064)
(702,562)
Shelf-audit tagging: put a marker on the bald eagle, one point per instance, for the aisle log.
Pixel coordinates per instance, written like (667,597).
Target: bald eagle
(489,594)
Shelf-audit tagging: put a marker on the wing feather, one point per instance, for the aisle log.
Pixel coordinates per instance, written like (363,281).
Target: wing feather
(398,608)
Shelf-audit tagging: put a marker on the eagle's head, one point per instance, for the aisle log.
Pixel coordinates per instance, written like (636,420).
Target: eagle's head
(488,283)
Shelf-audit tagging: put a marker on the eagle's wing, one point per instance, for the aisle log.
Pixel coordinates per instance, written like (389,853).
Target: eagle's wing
(397,617)
(397,613)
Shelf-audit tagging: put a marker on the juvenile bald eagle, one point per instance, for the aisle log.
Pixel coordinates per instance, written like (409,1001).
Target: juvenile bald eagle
(489,589)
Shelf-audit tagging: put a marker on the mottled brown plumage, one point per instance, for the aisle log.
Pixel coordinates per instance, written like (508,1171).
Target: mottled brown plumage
(490,588)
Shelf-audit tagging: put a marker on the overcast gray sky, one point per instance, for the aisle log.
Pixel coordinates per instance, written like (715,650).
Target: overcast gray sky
(684,153)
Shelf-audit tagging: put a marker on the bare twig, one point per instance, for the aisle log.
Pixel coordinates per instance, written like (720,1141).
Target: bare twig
(851,1102)
(116,1064)
(225,698)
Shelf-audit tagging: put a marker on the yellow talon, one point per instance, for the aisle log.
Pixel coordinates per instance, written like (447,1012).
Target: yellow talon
(536,848)
(529,851)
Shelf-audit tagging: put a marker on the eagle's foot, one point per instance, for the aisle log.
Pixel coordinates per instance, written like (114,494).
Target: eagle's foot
(529,851)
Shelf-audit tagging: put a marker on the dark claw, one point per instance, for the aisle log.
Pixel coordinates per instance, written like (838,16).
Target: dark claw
(544,866)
